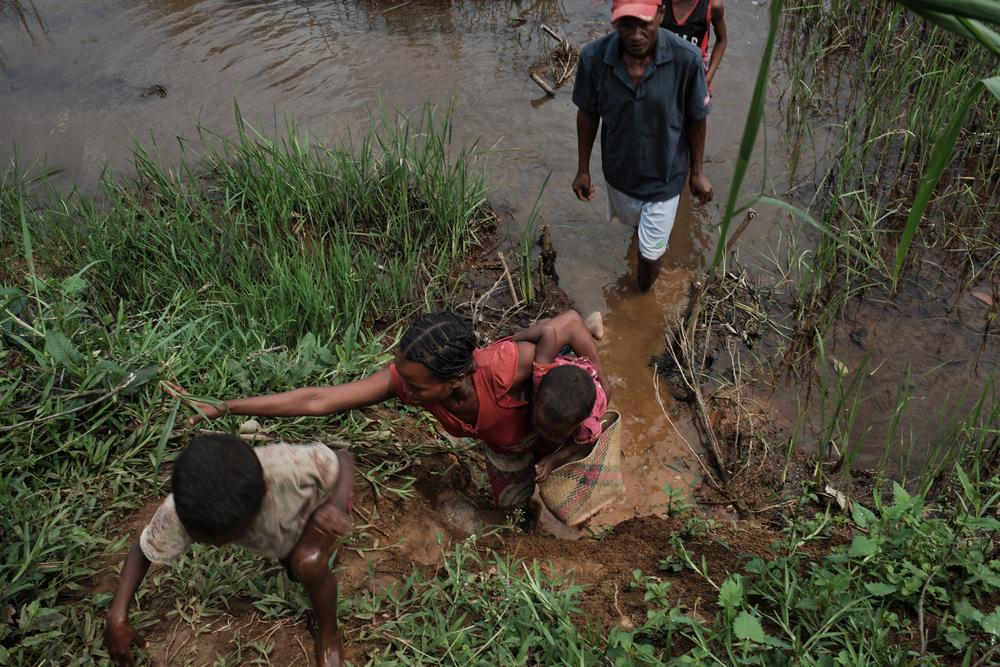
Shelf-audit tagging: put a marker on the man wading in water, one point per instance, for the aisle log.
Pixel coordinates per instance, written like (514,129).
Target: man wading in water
(645,88)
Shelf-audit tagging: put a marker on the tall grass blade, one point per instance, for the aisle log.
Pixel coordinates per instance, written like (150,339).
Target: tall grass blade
(981,10)
(967,28)
(161,445)
(29,255)
(843,244)
(939,160)
(754,118)
(986,36)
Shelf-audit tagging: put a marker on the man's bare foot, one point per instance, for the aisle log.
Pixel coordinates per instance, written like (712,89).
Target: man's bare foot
(595,324)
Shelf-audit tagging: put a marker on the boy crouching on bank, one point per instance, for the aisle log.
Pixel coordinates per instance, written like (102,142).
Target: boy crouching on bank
(288,502)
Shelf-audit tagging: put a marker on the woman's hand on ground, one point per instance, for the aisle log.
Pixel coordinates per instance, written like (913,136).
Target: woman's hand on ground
(119,638)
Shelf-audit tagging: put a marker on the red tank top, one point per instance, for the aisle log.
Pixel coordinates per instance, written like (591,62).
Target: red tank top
(504,421)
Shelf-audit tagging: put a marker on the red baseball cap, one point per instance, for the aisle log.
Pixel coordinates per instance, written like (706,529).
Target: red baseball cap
(644,10)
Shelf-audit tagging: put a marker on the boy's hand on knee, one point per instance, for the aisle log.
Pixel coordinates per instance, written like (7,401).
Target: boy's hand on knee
(332,520)
(119,638)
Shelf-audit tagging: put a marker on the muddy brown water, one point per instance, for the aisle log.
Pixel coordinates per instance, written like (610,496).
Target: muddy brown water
(73,78)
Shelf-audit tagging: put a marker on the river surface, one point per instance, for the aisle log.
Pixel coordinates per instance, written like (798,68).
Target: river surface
(73,77)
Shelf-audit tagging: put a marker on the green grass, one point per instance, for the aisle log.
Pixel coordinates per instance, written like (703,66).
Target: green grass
(481,609)
(279,236)
(820,600)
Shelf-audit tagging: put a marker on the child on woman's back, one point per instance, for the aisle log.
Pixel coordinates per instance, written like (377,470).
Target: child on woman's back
(288,502)
(570,392)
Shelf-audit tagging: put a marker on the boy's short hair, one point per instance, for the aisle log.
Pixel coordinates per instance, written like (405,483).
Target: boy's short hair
(218,485)
(566,395)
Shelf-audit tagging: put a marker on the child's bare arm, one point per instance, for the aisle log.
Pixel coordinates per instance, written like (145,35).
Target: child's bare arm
(306,401)
(566,453)
(333,517)
(120,636)
(545,337)
(571,330)
(721,38)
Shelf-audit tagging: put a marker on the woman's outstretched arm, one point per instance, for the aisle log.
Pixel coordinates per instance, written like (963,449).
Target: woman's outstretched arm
(303,402)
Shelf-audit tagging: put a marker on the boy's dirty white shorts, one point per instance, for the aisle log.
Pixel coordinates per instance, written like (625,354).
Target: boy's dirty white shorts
(655,220)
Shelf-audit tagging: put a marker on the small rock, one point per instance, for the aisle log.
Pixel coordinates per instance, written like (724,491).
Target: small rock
(860,335)
(250,426)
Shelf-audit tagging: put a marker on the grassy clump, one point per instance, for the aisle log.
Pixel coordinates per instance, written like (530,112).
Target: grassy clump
(258,266)
(481,609)
(280,237)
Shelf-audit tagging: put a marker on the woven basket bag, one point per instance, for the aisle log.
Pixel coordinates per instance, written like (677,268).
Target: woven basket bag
(578,490)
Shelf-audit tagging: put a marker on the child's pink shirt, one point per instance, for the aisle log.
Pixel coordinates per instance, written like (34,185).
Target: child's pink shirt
(590,428)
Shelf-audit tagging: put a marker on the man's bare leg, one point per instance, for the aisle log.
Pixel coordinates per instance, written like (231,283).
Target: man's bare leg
(647,271)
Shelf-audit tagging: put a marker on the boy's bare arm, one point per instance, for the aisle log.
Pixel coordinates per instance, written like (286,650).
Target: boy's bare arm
(120,636)
(307,401)
(333,516)
(721,38)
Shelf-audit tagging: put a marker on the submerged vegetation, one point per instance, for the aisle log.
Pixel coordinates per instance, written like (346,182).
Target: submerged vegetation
(882,86)
(879,105)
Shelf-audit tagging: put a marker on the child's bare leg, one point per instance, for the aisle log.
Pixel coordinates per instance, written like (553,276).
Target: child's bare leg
(309,565)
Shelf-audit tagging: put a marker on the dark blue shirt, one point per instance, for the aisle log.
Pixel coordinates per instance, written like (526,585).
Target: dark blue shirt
(644,152)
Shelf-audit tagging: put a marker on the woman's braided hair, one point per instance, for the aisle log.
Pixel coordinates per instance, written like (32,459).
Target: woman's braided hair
(441,342)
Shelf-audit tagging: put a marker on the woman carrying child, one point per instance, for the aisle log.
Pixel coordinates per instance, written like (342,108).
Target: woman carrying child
(481,393)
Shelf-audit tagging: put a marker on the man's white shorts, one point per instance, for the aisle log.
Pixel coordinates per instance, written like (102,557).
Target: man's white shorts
(655,220)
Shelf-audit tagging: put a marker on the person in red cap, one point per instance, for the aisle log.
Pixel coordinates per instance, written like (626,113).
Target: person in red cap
(645,89)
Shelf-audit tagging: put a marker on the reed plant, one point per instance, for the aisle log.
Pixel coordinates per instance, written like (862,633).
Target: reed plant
(894,112)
